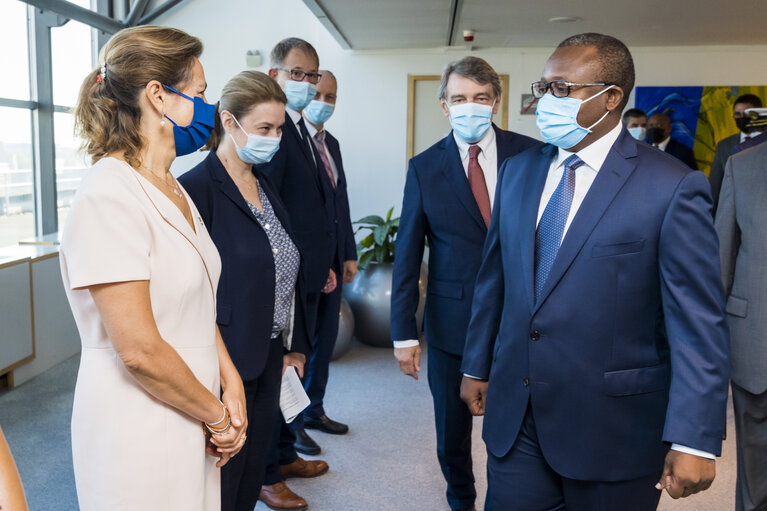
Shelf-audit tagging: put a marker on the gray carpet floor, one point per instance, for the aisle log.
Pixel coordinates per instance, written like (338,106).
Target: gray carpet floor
(387,462)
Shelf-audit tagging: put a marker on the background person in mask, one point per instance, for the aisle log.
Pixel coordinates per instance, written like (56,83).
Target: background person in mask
(296,173)
(635,121)
(344,262)
(257,292)
(598,326)
(726,147)
(448,200)
(140,272)
(659,135)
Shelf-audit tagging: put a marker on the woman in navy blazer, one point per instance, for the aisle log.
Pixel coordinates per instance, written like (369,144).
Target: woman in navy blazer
(259,304)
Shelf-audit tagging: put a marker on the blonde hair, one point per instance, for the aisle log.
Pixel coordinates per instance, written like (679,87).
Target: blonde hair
(240,94)
(107,115)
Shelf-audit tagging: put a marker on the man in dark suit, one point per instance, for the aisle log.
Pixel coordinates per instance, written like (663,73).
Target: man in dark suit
(659,135)
(726,147)
(740,224)
(447,201)
(295,173)
(343,263)
(597,337)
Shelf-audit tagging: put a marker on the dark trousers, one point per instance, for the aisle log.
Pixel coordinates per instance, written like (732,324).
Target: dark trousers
(242,476)
(751,441)
(453,423)
(282,451)
(522,480)
(322,350)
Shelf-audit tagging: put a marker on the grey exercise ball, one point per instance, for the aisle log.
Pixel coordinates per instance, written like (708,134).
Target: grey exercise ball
(345,331)
(369,297)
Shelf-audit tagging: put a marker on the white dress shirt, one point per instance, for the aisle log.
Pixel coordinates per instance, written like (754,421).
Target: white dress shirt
(488,160)
(312,132)
(746,136)
(296,116)
(662,145)
(593,156)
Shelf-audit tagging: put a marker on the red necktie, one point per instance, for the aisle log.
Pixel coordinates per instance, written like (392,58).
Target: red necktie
(478,184)
(319,143)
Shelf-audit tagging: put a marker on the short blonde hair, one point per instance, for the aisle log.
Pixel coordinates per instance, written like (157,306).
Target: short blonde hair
(107,115)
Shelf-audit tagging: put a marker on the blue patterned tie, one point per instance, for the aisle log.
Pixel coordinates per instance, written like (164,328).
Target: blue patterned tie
(548,236)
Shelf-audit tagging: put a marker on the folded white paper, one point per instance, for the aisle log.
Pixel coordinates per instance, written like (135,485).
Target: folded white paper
(293,398)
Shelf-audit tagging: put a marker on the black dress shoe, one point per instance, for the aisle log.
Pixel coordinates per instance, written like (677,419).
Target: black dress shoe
(305,444)
(326,425)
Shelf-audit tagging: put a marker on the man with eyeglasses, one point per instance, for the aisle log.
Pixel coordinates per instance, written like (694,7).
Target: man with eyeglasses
(726,147)
(295,172)
(597,348)
(448,199)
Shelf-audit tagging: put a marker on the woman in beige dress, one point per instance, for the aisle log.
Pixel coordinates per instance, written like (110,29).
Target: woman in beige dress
(140,270)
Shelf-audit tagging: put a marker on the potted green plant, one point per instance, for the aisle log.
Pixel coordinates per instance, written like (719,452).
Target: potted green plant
(369,294)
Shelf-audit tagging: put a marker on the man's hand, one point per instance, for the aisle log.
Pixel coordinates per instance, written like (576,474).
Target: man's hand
(350,271)
(685,474)
(474,392)
(295,359)
(409,360)
(331,283)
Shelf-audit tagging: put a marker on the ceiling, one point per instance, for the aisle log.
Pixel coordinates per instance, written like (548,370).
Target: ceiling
(414,24)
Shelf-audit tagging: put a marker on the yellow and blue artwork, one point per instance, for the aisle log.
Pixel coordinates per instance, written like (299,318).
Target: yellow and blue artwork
(700,116)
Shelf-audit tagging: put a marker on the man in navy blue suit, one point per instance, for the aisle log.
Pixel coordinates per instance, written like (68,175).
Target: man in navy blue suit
(598,337)
(448,200)
(343,263)
(295,173)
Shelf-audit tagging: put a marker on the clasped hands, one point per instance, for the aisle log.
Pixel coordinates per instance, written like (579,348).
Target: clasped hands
(683,474)
(229,444)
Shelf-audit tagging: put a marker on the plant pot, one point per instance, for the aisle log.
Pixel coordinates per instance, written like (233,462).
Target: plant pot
(345,331)
(369,296)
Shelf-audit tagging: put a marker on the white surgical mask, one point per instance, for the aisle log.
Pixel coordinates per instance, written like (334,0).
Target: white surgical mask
(257,149)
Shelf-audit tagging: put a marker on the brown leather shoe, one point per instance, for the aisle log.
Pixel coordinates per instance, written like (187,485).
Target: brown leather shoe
(279,496)
(304,468)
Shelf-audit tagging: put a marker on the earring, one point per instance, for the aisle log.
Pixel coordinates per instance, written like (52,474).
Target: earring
(162,119)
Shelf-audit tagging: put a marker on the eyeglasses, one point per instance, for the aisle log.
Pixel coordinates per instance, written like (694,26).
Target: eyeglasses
(559,88)
(298,75)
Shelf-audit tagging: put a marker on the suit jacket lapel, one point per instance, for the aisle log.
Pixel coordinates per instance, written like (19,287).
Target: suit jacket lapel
(226,184)
(502,144)
(452,167)
(615,171)
(529,204)
(292,130)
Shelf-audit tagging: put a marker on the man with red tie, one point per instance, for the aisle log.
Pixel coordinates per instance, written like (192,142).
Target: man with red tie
(449,195)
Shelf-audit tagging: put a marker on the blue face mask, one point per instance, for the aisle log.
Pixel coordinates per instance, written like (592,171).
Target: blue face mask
(257,149)
(638,132)
(471,120)
(191,138)
(318,112)
(299,94)
(557,119)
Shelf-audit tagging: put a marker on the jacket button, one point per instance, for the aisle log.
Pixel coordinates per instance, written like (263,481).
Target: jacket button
(535,335)
(526,381)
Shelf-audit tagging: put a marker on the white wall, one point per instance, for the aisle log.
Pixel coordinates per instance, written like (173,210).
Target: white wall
(370,119)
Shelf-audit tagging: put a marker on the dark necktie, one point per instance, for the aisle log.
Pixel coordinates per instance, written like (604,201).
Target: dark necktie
(478,184)
(319,143)
(548,236)
(307,140)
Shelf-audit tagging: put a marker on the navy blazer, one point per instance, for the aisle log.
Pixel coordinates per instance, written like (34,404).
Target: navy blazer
(682,152)
(337,207)
(438,205)
(626,350)
(245,297)
(299,184)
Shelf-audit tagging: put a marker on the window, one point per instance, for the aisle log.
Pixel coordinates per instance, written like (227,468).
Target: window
(13,26)
(71,164)
(17,217)
(72,56)
(71,51)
